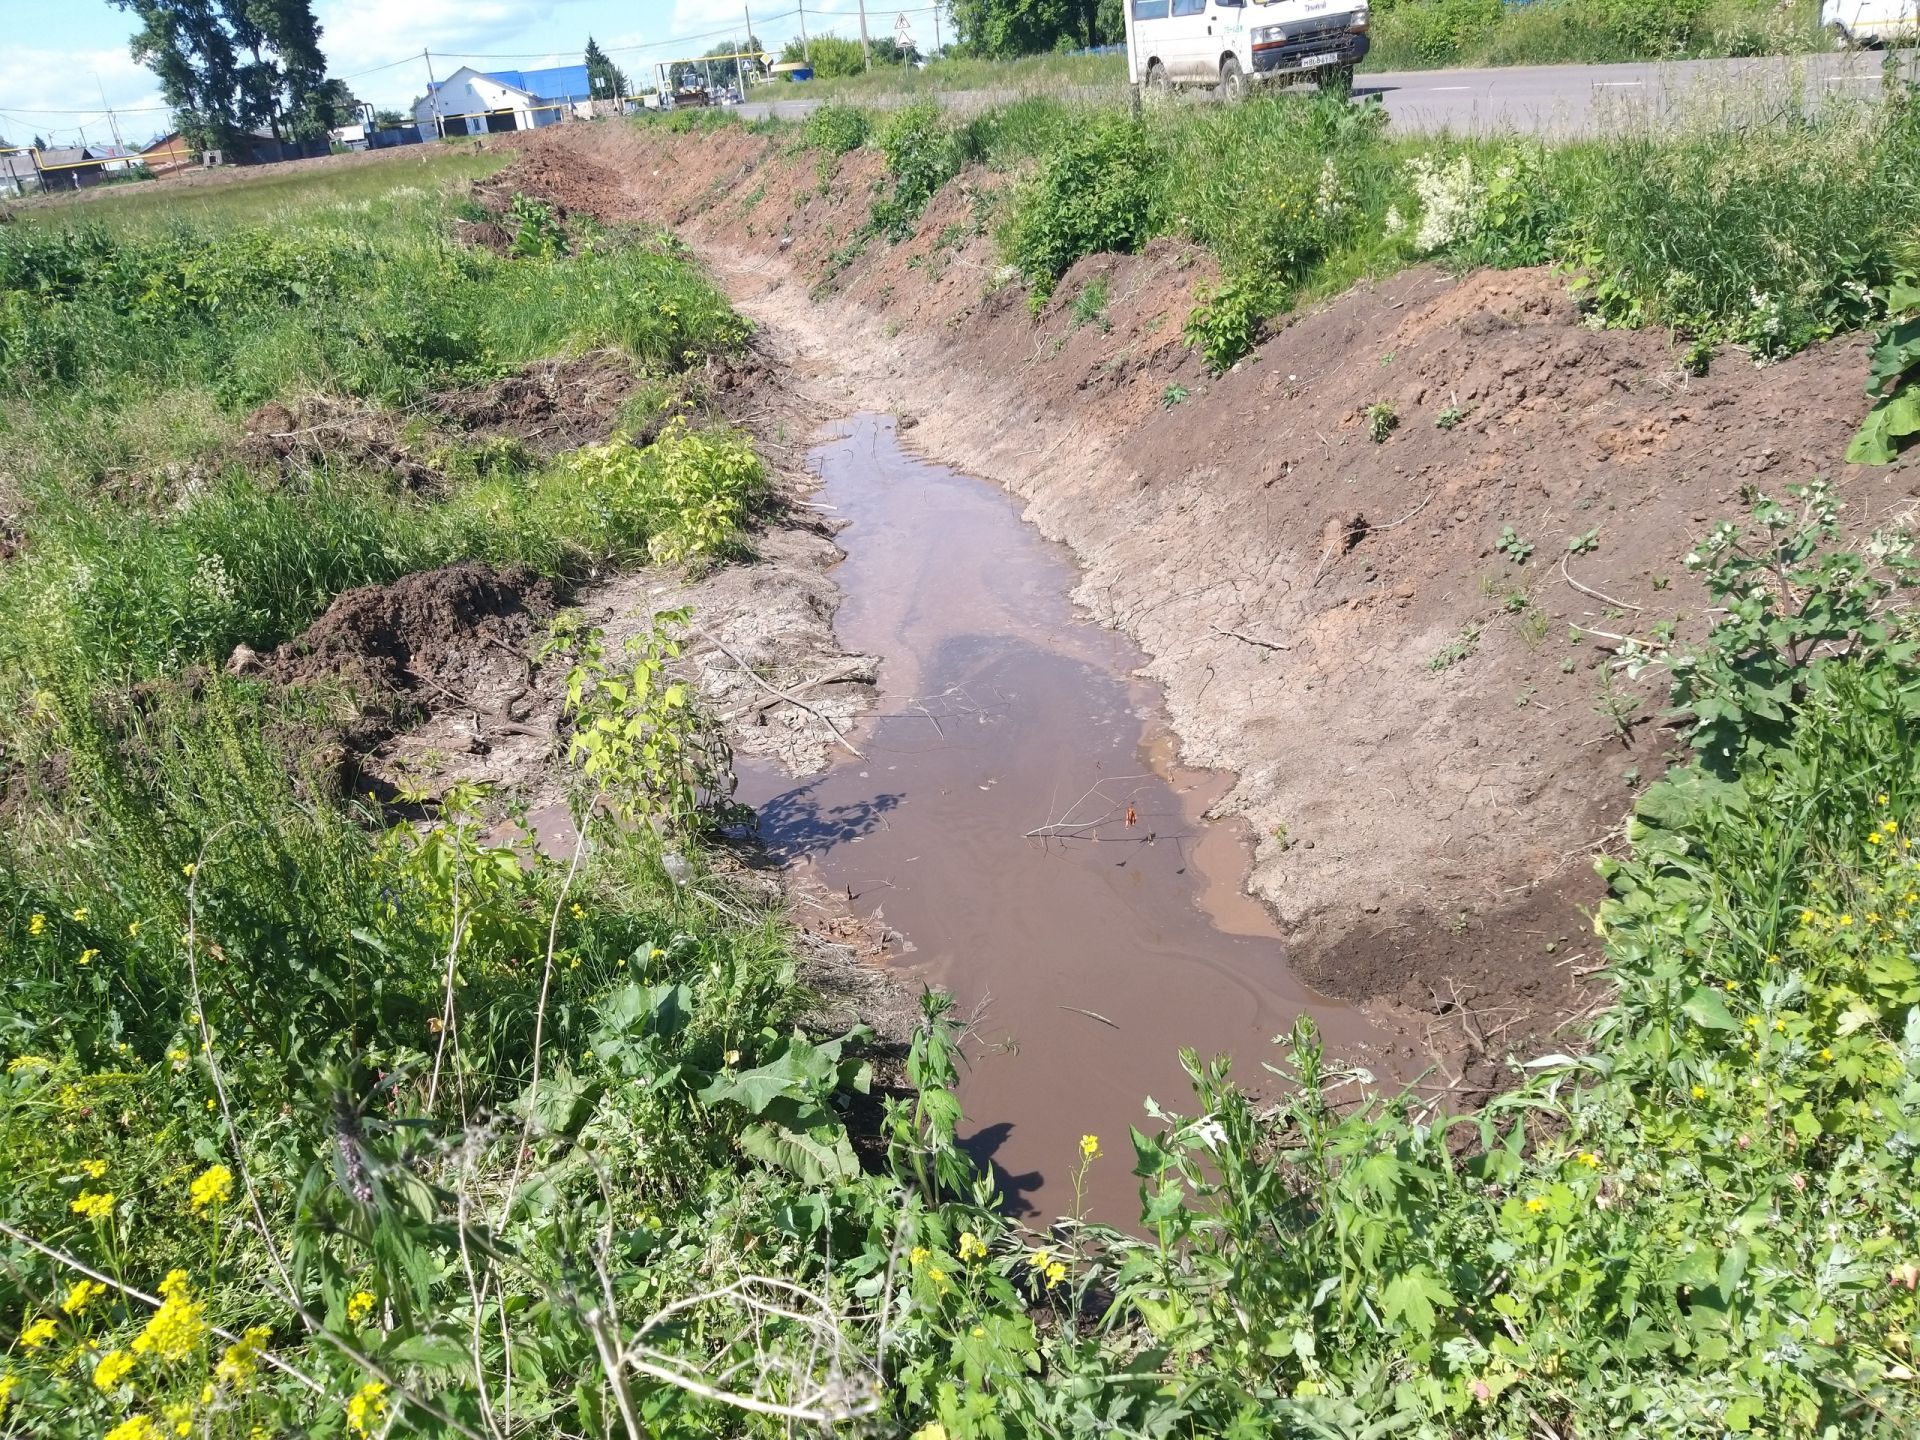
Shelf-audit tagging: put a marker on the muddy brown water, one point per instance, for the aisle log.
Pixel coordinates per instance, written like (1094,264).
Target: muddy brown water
(1017,820)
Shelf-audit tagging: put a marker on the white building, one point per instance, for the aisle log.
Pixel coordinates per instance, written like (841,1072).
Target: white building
(470,102)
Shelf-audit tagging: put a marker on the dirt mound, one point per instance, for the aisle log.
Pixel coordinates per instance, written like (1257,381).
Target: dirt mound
(322,430)
(483,235)
(442,630)
(550,406)
(1429,734)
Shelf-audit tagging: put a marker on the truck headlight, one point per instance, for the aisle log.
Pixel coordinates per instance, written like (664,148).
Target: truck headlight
(1267,33)
(1359,20)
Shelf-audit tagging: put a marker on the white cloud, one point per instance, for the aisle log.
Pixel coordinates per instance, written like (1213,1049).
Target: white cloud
(34,81)
(358,35)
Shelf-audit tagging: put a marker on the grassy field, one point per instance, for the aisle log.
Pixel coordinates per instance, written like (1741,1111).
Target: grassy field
(325,1121)
(1419,34)
(1032,74)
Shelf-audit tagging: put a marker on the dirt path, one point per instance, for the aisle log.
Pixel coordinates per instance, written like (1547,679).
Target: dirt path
(1429,739)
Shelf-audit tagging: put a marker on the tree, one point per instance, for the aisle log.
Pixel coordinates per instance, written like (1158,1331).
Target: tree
(604,78)
(832,56)
(230,66)
(390,120)
(1005,28)
(727,72)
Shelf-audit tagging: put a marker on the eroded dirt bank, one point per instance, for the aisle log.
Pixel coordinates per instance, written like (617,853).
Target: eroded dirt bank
(1427,750)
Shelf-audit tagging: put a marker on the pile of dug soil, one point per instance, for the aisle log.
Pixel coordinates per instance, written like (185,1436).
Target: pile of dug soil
(322,430)
(460,632)
(550,406)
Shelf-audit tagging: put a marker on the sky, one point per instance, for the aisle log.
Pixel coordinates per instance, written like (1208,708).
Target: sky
(64,63)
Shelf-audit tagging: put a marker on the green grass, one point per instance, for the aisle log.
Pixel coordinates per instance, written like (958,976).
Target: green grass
(1035,74)
(1751,225)
(1419,34)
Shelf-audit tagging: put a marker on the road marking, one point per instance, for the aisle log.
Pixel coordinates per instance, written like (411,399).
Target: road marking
(1617,84)
(1449,87)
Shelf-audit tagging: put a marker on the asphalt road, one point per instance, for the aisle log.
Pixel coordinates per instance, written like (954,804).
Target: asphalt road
(1559,100)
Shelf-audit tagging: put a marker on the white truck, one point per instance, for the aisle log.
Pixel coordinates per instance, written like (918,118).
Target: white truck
(1233,44)
(1872,22)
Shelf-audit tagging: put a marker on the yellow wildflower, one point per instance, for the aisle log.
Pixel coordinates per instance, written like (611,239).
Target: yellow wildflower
(178,1326)
(1038,1259)
(1732,985)
(1536,1205)
(138,1427)
(1699,1092)
(1845,920)
(94,1206)
(1753,1022)
(1874,838)
(1892,827)
(242,1359)
(28,1062)
(1090,1147)
(733,1057)
(87,957)
(93,1169)
(1778,1025)
(180,1416)
(114,1367)
(1881,798)
(936,1274)
(971,1245)
(133,927)
(38,1333)
(1055,1272)
(1806,917)
(367,1408)
(1825,1053)
(918,1256)
(213,1186)
(360,1305)
(80,915)
(7,1382)
(1590,1159)
(81,1296)
(188,869)
(979,1332)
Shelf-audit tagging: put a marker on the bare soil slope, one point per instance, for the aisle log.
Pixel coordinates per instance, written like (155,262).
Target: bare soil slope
(1429,739)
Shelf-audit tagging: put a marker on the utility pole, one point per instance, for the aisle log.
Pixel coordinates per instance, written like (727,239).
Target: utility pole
(740,66)
(113,122)
(936,27)
(866,51)
(806,50)
(433,99)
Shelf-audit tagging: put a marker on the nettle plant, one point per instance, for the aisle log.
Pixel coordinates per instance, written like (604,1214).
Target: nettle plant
(1789,606)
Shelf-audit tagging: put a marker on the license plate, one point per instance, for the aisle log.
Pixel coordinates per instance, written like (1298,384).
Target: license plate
(1313,62)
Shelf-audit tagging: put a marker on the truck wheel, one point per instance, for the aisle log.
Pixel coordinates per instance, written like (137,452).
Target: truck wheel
(1157,79)
(1233,81)
(1337,80)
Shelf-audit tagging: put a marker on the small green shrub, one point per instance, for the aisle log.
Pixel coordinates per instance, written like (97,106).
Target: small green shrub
(1091,195)
(1225,325)
(1382,421)
(1090,306)
(923,153)
(836,129)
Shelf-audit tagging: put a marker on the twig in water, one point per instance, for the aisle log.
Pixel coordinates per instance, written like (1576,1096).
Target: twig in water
(1090,1014)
